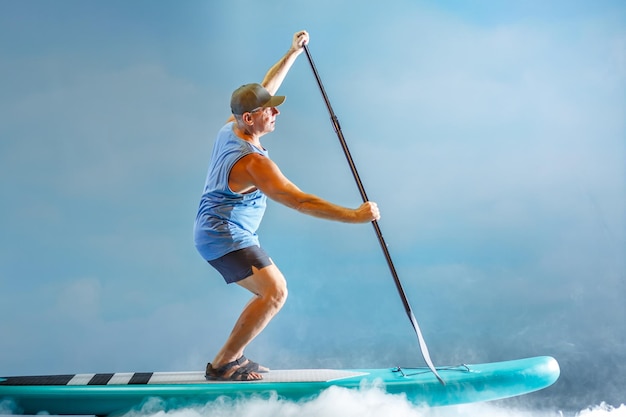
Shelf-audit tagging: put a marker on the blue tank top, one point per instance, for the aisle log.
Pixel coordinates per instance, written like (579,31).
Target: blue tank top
(227,221)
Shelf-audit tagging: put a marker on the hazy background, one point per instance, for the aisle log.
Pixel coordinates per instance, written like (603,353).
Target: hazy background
(492,136)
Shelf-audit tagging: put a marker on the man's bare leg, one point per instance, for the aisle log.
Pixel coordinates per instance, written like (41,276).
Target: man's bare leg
(270,292)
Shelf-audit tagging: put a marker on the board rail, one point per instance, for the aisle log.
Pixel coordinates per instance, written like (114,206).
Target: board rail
(107,393)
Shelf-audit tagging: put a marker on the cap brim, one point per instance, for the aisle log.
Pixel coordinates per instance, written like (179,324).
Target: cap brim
(275,101)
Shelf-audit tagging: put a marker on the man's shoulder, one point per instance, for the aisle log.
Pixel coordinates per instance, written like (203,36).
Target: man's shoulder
(226,138)
(254,158)
(226,129)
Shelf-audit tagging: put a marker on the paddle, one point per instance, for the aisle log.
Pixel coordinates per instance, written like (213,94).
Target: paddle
(381,240)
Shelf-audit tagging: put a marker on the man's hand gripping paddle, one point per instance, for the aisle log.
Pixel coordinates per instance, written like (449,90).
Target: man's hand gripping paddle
(383,245)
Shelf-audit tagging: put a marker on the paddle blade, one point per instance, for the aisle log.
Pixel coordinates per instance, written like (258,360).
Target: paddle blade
(424,348)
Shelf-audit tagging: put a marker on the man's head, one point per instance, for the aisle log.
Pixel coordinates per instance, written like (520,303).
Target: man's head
(251,97)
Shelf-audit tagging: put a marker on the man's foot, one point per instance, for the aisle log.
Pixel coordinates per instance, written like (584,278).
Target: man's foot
(241,369)
(253,366)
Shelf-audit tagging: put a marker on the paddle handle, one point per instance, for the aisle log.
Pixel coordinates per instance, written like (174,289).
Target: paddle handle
(381,240)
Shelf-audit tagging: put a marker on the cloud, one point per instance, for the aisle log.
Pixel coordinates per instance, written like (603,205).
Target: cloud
(102,132)
(79,301)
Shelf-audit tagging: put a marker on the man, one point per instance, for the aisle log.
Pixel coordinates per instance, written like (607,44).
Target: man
(240,177)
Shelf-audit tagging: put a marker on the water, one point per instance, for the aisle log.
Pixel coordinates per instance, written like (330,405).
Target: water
(363,403)
(342,402)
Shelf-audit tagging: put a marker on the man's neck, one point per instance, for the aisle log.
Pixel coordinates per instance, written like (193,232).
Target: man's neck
(247,135)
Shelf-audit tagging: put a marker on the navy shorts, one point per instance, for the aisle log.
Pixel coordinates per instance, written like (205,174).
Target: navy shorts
(237,265)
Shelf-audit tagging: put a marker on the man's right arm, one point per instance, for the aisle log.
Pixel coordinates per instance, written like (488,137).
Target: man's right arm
(265,175)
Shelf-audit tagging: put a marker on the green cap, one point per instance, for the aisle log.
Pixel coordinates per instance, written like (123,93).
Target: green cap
(250,97)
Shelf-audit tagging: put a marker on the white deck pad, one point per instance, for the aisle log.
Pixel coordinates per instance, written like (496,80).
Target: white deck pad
(177,378)
(292,375)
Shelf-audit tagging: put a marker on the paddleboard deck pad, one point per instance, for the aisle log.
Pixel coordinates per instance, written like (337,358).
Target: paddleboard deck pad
(108,393)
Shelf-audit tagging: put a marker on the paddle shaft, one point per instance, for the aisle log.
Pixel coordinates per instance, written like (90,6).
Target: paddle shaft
(381,240)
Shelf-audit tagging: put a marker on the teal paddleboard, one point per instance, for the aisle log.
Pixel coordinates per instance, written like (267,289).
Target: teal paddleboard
(103,394)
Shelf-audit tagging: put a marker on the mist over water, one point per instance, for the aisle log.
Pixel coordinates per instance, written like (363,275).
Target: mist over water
(370,402)
(336,401)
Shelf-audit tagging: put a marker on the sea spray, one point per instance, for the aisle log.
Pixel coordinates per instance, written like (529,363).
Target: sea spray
(341,402)
(604,410)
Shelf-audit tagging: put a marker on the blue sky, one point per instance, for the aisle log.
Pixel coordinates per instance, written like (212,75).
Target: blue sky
(492,137)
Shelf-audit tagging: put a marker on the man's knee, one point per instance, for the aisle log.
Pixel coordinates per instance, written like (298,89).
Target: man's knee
(277,294)
(269,284)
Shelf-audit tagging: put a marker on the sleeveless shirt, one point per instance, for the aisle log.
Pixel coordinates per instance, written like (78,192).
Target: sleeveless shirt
(227,221)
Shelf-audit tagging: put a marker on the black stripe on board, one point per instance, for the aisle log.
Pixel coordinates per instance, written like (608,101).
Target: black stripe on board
(100,379)
(140,378)
(36,380)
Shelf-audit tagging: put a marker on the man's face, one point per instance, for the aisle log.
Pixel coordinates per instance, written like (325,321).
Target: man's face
(265,119)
